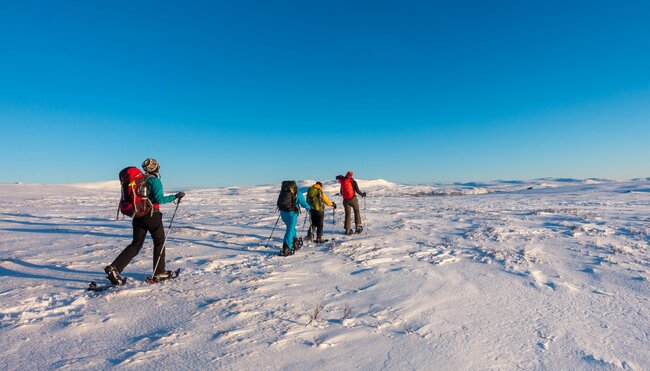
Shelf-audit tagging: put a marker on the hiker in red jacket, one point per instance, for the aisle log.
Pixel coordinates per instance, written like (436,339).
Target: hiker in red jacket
(349,190)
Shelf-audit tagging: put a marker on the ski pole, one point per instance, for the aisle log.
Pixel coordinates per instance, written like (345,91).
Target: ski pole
(273,230)
(333,221)
(303,225)
(169,230)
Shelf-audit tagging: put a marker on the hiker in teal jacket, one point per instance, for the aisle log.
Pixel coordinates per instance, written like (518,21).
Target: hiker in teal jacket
(150,222)
(155,188)
(290,218)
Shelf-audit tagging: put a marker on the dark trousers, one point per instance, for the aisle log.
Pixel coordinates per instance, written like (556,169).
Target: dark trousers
(317,218)
(354,204)
(148,223)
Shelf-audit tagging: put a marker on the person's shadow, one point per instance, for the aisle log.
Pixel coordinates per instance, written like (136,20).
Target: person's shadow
(6,270)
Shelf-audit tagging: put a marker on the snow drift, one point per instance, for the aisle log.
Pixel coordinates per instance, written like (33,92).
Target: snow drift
(542,274)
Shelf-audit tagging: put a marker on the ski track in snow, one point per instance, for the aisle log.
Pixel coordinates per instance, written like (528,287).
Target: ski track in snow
(498,278)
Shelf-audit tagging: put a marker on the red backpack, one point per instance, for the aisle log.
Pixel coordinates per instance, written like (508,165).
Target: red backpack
(134,202)
(347,189)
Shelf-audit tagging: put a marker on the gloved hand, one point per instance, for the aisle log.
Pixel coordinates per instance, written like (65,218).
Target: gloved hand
(180,195)
(334,205)
(363,194)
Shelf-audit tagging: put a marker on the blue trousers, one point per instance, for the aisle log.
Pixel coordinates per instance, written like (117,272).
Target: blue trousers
(290,219)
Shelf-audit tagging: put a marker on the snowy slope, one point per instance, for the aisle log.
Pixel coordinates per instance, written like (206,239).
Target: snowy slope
(497,277)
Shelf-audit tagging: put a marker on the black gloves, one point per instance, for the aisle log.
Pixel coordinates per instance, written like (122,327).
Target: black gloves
(180,195)
(363,194)
(334,205)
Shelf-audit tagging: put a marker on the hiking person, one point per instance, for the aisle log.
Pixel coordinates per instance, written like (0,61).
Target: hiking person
(317,199)
(349,191)
(150,221)
(289,202)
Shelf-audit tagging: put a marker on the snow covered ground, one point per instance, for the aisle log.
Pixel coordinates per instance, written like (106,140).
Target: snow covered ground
(463,276)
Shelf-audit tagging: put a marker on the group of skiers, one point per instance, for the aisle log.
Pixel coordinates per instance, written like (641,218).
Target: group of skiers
(142,195)
(290,200)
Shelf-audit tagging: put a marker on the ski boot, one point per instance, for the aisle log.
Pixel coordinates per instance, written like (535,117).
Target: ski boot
(297,244)
(348,232)
(286,251)
(113,275)
(359,230)
(162,276)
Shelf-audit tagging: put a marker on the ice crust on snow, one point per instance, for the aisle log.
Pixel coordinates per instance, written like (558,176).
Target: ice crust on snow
(499,276)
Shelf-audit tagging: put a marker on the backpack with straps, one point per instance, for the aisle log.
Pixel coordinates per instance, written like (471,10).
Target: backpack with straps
(315,199)
(134,201)
(288,195)
(347,188)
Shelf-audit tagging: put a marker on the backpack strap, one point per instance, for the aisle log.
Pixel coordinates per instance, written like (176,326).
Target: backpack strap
(135,197)
(294,197)
(117,217)
(148,201)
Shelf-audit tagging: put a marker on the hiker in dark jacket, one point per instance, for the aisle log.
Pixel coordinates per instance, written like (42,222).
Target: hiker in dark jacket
(349,190)
(150,222)
(317,199)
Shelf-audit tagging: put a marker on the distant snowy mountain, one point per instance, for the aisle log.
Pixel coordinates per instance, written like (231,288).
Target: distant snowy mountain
(385,188)
(107,185)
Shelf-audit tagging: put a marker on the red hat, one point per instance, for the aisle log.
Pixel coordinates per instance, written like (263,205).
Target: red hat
(349,174)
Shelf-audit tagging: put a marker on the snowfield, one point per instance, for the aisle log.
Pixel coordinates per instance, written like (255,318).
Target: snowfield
(462,276)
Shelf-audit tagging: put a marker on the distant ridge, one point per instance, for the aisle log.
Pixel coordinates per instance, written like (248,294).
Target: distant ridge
(105,185)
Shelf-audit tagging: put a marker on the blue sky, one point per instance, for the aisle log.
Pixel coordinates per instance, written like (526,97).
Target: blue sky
(254,92)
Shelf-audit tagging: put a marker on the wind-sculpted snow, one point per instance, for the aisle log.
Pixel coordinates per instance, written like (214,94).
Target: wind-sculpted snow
(542,274)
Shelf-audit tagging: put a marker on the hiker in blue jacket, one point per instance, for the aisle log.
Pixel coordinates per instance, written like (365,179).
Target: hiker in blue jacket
(289,216)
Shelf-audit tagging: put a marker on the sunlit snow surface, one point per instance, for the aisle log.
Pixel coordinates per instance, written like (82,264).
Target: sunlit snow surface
(463,276)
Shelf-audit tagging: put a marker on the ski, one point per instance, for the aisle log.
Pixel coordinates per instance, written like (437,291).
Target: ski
(173,275)
(93,286)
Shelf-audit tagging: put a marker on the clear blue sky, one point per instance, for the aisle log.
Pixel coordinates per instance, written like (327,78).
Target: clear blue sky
(254,92)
